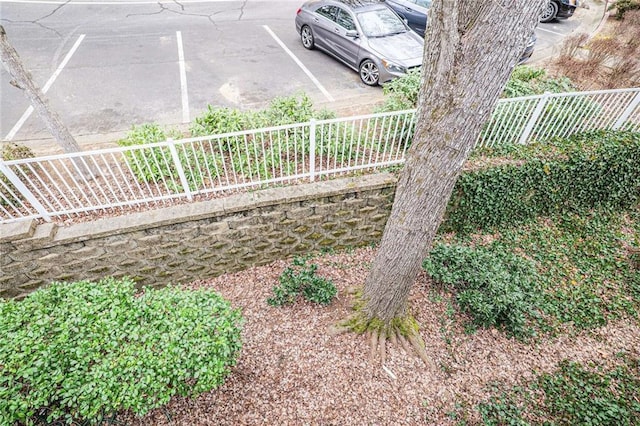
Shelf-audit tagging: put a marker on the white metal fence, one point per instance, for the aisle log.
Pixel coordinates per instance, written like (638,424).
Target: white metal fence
(143,176)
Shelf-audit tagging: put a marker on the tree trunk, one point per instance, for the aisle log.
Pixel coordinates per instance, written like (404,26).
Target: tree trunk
(23,80)
(471,47)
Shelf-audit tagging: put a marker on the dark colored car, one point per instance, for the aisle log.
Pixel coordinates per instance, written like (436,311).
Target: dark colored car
(413,11)
(559,9)
(528,51)
(365,35)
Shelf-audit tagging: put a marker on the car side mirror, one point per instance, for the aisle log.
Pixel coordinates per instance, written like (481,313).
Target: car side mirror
(351,33)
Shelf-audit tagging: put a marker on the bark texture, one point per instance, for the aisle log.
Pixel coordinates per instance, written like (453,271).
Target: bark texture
(23,80)
(471,47)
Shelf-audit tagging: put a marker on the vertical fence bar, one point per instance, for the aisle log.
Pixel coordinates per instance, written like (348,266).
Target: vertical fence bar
(627,112)
(180,170)
(24,191)
(532,121)
(312,149)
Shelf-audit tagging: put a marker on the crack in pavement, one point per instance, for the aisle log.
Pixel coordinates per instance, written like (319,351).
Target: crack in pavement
(164,8)
(179,4)
(40,24)
(242,10)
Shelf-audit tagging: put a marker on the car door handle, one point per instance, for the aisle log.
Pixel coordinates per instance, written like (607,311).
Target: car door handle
(316,20)
(336,30)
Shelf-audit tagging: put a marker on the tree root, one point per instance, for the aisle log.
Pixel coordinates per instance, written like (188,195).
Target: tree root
(402,331)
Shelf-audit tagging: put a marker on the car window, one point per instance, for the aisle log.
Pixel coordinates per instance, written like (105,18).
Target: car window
(380,23)
(345,20)
(423,3)
(328,12)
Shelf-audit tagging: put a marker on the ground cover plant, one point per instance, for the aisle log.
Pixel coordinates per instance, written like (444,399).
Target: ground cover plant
(518,183)
(574,394)
(80,352)
(300,279)
(563,249)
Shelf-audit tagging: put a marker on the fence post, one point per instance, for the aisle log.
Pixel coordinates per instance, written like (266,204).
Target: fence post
(179,169)
(17,183)
(627,112)
(312,149)
(532,121)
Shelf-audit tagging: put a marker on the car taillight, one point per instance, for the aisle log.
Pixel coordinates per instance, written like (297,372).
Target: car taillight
(298,12)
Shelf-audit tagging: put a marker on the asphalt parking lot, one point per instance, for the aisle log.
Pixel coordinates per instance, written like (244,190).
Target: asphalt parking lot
(109,65)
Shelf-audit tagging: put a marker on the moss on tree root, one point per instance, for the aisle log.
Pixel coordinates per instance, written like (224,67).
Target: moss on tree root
(403,330)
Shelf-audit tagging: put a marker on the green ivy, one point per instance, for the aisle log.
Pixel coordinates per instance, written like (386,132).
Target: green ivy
(301,279)
(83,351)
(564,175)
(572,395)
(495,287)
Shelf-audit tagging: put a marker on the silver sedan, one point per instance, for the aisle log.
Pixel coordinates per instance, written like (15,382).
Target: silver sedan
(365,35)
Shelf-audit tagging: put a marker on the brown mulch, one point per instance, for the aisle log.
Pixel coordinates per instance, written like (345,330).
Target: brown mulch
(293,371)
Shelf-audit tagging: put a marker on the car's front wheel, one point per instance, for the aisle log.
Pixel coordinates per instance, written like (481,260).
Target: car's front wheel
(306,35)
(369,73)
(550,12)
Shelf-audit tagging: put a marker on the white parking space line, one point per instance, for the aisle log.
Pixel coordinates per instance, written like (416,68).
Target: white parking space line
(183,80)
(300,64)
(549,31)
(45,88)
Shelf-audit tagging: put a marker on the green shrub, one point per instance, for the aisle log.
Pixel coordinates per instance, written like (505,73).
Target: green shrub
(214,121)
(156,165)
(622,6)
(572,395)
(282,110)
(401,93)
(586,171)
(82,351)
(496,288)
(301,278)
(12,151)
(527,81)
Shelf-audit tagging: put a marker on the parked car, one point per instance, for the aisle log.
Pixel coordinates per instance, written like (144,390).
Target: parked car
(559,9)
(413,11)
(415,14)
(365,35)
(528,51)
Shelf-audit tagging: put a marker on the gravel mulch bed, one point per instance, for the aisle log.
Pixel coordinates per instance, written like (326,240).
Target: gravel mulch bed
(294,371)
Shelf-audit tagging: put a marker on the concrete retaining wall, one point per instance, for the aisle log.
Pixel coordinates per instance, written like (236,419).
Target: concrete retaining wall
(193,241)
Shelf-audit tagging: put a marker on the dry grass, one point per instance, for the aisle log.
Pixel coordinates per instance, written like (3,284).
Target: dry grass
(293,371)
(609,60)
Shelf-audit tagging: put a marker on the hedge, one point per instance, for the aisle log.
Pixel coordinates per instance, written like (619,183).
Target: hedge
(598,169)
(82,351)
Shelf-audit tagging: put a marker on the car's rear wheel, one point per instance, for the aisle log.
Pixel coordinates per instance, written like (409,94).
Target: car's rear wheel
(369,73)
(306,35)
(550,12)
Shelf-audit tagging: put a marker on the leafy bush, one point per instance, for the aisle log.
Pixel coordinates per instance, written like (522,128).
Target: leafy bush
(401,93)
(215,121)
(156,165)
(527,81)
(82,351)
(572,395)
(301,278)
(12,151)
(623,6)
(493,286)
(585,171)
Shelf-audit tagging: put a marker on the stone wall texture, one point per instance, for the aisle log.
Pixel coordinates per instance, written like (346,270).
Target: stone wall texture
(187,242)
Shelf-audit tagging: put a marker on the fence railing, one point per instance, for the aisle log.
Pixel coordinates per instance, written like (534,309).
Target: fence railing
(165,173)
